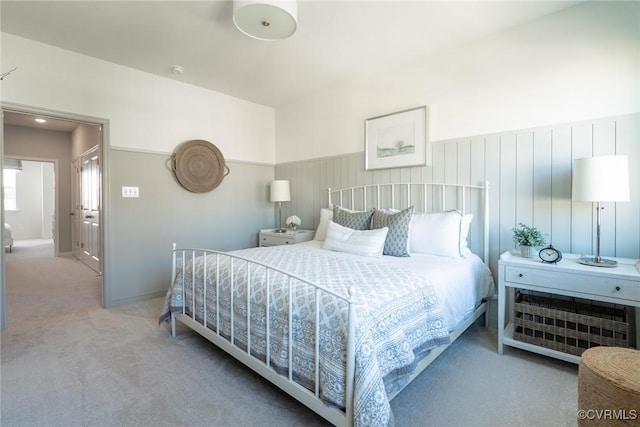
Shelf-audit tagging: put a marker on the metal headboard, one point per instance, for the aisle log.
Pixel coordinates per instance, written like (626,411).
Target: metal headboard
(425,197)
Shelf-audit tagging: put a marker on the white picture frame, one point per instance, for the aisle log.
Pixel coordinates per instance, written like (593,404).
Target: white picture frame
(397,140)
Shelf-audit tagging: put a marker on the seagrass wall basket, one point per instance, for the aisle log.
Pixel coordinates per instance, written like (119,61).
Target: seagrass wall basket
(199,166)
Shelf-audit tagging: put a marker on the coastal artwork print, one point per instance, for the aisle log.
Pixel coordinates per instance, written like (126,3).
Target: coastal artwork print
(396,139)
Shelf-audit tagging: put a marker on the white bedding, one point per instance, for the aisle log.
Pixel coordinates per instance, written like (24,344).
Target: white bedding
(460,282)
(406,307)
(397,318)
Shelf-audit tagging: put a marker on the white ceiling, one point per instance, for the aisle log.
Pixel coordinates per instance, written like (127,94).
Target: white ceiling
(28,120)
(335,40)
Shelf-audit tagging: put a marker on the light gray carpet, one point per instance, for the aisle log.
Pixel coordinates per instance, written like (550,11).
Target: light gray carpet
(67,362)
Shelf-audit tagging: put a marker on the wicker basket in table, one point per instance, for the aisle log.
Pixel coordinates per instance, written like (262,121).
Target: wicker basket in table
(567,324)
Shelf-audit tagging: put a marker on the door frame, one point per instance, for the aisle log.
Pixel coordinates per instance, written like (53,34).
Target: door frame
(104,196)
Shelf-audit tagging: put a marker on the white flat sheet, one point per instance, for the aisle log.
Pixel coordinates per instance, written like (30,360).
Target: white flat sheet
(460,283)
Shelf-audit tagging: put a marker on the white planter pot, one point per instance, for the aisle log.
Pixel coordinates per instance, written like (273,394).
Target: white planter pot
(528,251)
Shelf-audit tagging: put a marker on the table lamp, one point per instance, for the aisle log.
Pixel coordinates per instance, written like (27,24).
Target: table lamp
(280,193)
(600,179)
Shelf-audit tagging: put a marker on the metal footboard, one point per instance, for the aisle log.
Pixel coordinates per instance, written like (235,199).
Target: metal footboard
(197,317)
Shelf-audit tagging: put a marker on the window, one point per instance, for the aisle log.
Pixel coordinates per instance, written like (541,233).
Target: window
(10,199)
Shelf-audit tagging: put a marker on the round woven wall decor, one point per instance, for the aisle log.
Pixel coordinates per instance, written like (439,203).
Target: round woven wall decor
(199,166)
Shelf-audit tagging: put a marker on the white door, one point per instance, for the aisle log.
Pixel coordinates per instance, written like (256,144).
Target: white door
(90,208)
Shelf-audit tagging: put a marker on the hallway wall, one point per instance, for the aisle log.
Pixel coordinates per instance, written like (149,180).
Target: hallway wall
(30,143)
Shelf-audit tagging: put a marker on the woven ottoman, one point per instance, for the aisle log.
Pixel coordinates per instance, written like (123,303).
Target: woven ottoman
(609,387)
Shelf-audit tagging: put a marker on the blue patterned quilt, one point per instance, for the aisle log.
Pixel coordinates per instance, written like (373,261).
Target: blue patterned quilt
(398,317)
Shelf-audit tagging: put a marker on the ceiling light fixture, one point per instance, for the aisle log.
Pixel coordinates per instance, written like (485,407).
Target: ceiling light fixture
(266,19)
(40,120)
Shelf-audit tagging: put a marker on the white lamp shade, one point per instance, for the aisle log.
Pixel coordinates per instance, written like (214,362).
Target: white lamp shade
(280,191)
(601,179)
(266,19)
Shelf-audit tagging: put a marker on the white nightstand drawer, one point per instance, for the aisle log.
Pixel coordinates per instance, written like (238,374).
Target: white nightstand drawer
(290,237)
(557,280)
(271,240)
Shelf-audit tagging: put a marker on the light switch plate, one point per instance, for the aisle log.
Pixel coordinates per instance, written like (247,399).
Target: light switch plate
(130,192)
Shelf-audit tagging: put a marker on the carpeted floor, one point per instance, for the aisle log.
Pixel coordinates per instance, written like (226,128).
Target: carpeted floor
(68,362)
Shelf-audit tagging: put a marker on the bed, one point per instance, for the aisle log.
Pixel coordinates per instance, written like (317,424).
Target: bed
(344,322)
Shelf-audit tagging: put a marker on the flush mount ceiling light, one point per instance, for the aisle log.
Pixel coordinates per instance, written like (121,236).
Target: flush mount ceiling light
(266,19)
(39,120)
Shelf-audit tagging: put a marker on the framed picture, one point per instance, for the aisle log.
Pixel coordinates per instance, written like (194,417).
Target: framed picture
(396,140)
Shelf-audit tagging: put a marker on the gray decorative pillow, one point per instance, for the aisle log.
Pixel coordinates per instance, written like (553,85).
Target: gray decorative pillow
(397,242)
(356,220)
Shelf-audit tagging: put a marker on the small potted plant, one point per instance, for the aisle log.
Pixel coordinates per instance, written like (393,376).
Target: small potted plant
(529,239)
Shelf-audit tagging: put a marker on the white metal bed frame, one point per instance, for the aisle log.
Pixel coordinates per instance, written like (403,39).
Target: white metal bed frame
(311,398)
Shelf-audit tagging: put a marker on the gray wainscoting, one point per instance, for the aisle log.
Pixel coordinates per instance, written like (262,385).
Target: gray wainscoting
(142,230)
(529,172)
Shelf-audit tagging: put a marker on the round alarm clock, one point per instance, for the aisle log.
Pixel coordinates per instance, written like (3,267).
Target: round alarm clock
(550,255)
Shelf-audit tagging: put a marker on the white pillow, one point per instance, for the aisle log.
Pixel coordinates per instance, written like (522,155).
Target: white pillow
(465,224)
(439,233)
(358,242)
(326,215)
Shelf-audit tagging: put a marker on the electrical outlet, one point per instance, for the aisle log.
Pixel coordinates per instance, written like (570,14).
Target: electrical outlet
(130,192)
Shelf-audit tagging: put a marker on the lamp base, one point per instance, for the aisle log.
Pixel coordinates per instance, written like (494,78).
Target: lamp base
(598,263)
(280,230)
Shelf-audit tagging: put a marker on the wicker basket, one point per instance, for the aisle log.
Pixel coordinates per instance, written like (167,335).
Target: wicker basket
(566,324)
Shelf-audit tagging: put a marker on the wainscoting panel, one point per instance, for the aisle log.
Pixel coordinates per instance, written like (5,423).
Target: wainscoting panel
(529,172)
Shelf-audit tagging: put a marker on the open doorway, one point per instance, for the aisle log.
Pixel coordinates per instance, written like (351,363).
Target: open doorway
(29,201)
(57,140)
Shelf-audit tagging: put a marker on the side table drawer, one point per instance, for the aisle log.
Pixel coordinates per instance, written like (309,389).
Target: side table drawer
(276,240)
(557,280)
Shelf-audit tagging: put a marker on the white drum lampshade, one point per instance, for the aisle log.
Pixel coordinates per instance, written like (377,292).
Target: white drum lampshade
(601,179)
(280,192)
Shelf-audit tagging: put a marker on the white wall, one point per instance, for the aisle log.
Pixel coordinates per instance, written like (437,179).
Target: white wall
(146,112)
(578,64)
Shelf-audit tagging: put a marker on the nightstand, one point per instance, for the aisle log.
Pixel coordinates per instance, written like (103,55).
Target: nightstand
(568,278)
(269,237)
